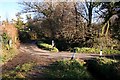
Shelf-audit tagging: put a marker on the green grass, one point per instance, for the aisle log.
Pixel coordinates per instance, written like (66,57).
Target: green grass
(25,67)
(19,72)
(95,50)
(46,46)
(68,69)
(104,68)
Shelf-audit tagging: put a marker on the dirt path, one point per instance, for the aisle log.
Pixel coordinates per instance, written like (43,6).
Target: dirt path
(42,59)
(35,51)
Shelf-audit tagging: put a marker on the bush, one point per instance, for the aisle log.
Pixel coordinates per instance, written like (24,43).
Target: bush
(104,69)
(6,39)
(68,69)
(94,50)
(111,51)
(24,36)
(8,54)
(86,50)
(46,46)
(25,67)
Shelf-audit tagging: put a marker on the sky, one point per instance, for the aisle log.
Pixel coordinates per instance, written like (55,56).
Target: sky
(9,10)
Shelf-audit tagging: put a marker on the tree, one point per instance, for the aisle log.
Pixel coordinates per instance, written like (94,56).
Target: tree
(71,22)
(18,23)
(109,13)
(59,20)
(86,11)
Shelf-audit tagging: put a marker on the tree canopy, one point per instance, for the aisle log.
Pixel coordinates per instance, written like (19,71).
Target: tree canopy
(73,22)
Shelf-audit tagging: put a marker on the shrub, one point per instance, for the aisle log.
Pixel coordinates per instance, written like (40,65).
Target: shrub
(46,46)
(94,50)
(8,54)
(6,39)
(103,68)
(68,69)
(24,36)
(111,51)
(25,67)
(87,50)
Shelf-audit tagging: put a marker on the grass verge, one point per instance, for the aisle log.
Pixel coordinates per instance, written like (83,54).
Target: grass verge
(94,50)
(46,46)
(68,69)
(104,68)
